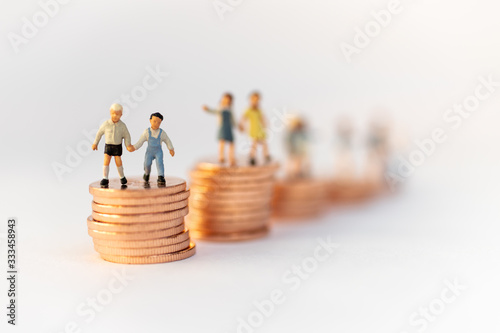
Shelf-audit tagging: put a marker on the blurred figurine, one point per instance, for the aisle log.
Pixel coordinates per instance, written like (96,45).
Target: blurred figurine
(378,142)
(297,142)
(226,122)
(257,129)
(114,131)
(345,166)
(378,151)
(154,135)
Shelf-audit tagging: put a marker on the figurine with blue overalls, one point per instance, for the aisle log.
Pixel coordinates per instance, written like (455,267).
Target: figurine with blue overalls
(154,136)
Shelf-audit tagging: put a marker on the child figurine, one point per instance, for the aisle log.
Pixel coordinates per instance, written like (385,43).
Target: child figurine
(114,131)
(257,129)
(297,143)
(378,142)
(345,168)
(226,122)
(154,136)
(378,151)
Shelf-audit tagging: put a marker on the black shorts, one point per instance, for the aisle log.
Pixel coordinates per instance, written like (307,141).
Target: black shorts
(113,150)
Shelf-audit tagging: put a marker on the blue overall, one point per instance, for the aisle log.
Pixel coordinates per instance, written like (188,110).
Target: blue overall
(154,151)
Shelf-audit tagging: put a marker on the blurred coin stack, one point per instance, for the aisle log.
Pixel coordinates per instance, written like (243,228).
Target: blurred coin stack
(140,223)
(349,190)
(299,198)
(231,203)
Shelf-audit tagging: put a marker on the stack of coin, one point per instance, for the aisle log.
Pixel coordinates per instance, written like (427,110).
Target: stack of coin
(349,191)
(299,198)
(140,223)
(231,203)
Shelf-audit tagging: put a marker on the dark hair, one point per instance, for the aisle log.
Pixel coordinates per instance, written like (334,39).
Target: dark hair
(230,96)
(156,114)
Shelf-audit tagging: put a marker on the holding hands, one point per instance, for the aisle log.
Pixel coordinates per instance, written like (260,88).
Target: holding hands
(131,148)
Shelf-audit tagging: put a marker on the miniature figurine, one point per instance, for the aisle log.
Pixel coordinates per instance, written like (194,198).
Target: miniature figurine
(297,143)
(257,129)
(377,151)
(226,122)
(154,136)
(114,131)
(345,166)
(378,136)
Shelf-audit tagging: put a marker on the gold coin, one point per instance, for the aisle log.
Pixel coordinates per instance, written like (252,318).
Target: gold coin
(243,167)
(137,188)
(222,205)
(156,259)
(303,183)
(199,175)
(209,208)
(132,227)
(249,188)
(132,236)
(353,191)
(133,252)
(140,218)
(223,183)
(155,200)
(158,208)
(300,199)
(230,237)
(228,227)
(297,213)
(297,203)
(198,216)
(236,196)
(301,188)
(175,239)
(300,194)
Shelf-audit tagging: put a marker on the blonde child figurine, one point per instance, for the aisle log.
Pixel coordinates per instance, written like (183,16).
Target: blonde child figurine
(114,131)
(257,129)
(226,123)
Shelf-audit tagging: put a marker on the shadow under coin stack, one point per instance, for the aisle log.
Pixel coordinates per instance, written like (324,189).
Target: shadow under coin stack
(140,223)
(301,198)
(231,203)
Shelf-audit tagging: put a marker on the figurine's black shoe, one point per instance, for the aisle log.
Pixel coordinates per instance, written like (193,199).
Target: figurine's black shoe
(146,178)
(104,182)
(123,180)
(253,161)
(161,180)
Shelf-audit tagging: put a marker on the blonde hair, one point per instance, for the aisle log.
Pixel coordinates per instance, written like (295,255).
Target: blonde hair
(116,107)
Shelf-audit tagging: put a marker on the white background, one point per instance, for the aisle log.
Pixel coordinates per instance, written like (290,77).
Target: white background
(394,252)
